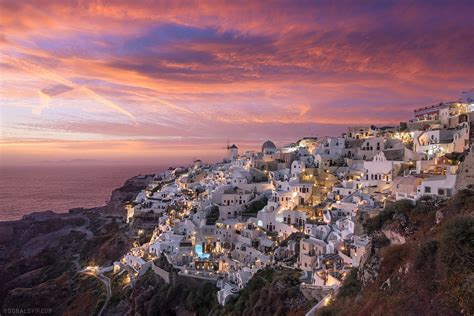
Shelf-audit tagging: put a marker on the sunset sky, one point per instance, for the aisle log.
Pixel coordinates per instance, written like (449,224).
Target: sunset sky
(166,82)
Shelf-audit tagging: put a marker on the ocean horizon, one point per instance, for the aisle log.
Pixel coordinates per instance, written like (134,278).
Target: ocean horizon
(59,188)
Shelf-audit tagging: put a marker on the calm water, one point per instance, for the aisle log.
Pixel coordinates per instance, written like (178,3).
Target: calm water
(59,188)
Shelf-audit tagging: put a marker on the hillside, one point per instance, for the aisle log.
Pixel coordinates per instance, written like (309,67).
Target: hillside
(269,292)
(42,254)
(425,267)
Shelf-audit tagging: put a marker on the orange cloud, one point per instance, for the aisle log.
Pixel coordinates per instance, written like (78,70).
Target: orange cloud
(155,74)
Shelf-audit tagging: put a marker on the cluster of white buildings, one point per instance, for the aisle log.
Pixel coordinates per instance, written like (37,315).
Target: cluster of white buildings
(297,205)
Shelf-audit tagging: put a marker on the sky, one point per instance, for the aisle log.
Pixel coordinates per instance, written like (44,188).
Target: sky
(165,82)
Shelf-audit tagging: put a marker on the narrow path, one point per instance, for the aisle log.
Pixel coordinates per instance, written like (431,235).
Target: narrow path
(95,272)
(323,302)
(106,282)
(84,228)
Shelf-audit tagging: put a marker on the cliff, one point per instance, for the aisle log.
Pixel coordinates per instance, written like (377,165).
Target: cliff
(126,193)
(430,273)
(270,291)
(41,255)
(465,177)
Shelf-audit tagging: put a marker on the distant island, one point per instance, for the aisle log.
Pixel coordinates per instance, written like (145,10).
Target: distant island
(378,220)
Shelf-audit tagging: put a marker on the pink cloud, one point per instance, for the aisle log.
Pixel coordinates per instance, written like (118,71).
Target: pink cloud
(190,76)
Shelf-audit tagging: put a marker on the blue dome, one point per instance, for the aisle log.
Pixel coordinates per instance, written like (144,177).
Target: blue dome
(268,145)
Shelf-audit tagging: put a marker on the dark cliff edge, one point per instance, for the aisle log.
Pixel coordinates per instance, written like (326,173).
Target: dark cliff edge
(42,255)
(420,262)
(126,193)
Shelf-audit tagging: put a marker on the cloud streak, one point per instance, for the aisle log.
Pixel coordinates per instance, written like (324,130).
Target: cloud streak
(50,75)
(164,74)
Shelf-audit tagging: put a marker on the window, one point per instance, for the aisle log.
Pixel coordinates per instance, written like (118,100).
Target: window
(440,191)
(427,189)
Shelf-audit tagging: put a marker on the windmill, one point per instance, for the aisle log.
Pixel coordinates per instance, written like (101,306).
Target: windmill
(231,150)
(227,148)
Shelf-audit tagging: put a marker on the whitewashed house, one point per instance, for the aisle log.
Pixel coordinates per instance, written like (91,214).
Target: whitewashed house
(442,186)
(406,187)
(310,249)
(297,167)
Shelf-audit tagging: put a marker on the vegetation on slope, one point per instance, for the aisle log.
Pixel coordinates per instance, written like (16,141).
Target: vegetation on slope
(40,267)
(268,292)
(431,274)
(152,296)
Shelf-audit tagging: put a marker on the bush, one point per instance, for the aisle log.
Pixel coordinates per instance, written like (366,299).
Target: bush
(392,258)
(351,286)
(376,223)
(163,263)
(213,215)
(327,311)
(373,224)
(457,245)
(265,294)
(462,199)
(426,204)
(401,206)
(253,208)
(380,241)
(426,254)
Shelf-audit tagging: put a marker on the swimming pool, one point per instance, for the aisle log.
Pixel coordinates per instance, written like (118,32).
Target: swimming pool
(198,249)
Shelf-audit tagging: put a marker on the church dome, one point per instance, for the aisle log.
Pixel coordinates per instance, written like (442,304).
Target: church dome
(268,145)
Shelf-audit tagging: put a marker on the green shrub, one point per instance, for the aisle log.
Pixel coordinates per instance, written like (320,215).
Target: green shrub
(373,224)
(426,204)
(426,254)
(266,286)
(457,245)
(351,286)
(253,208)
(401,206)
(380,241)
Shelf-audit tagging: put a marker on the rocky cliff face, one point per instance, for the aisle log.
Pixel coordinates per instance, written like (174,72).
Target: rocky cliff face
(465,177)
(369,266)
(430,273)
(127,193)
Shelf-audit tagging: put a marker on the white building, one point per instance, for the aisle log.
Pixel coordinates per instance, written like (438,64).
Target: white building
(232,152)
(310,249)
(370,147)
(380,171)
(297,167)
(442,186)
(269,149)
(406,187)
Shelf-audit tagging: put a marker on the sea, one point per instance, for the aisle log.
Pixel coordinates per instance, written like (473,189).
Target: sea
(24,190)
